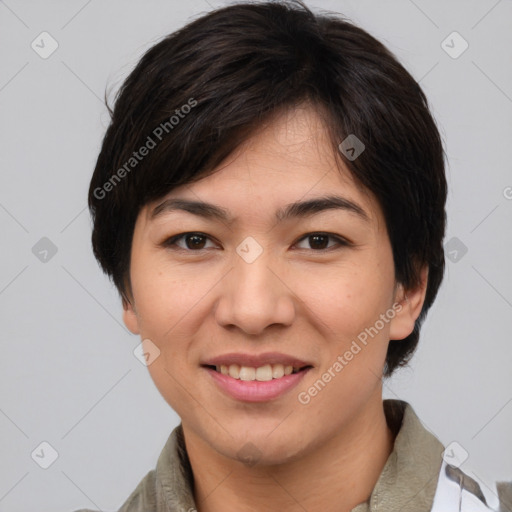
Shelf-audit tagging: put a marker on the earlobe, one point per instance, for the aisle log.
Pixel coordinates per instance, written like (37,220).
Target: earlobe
(130,317)
(408,309)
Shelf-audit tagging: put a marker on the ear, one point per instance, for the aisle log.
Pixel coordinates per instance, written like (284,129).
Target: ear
(130,318)
(409,304)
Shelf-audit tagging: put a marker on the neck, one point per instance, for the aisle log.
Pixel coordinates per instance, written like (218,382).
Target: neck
(335,477)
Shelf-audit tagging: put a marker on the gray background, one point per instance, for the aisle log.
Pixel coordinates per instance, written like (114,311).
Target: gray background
(68,373)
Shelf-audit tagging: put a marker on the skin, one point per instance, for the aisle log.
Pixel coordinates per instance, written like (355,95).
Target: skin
(295,298)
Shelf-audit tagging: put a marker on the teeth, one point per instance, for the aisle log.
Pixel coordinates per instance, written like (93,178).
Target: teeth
(262,373)
(277,371)
(234,371)
(247,373)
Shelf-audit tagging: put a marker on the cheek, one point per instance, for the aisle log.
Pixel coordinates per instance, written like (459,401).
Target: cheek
(355,342)
(163,297)
(347,300)
(171,303)
(167,308)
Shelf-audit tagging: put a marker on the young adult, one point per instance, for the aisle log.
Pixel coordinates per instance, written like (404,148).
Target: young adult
(269,200)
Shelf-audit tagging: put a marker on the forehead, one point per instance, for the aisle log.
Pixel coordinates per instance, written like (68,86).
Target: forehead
(289,158)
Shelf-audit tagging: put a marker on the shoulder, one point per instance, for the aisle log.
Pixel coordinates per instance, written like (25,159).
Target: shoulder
(144,496)
(168,487)
(142,499)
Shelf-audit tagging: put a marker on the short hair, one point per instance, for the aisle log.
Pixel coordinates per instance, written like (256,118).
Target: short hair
(201,91)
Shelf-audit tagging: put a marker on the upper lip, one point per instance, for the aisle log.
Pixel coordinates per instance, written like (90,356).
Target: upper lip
(255,361)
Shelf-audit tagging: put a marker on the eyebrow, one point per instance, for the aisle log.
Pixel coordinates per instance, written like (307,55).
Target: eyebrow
(293,210)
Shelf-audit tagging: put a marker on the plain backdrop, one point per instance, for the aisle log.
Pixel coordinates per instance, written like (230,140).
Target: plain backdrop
(68,374)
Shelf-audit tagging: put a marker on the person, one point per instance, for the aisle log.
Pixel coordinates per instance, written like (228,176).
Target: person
(269,200)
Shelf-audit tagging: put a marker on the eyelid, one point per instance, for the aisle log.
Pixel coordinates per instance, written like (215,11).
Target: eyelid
(170,242)
(340,241)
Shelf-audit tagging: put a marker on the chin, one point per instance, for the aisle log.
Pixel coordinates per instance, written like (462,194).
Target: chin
(262,447)
(252,454)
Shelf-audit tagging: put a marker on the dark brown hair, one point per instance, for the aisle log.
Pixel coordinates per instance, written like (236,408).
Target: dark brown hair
(201,91)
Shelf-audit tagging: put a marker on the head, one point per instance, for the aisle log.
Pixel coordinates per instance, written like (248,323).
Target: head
(252,108)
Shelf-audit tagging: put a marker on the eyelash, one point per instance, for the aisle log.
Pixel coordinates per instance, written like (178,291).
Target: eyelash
(170,243)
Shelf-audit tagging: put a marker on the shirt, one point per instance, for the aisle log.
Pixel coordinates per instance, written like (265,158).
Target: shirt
(407,482)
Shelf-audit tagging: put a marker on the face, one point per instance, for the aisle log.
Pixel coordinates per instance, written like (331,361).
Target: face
(251,287)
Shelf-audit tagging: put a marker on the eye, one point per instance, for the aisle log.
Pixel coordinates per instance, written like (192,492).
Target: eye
(196,241)
(192,241)
(320,241)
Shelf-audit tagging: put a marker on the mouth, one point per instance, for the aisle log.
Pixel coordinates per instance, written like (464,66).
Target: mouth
(256,377)
(256,383)
(264,373)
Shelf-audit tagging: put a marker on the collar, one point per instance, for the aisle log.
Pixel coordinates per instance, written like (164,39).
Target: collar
(409,478)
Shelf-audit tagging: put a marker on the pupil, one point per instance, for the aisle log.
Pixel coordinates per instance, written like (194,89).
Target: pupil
(198,242)
(314,244)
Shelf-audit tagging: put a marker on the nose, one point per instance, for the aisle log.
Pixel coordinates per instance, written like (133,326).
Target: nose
(253,296)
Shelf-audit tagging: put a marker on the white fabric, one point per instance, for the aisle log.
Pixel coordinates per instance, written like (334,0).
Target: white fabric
(450,497)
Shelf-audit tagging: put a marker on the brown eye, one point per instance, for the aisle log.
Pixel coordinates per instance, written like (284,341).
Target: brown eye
(320,241)
(195,241)
(188,241)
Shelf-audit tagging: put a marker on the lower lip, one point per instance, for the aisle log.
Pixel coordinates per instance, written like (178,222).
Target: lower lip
(254,390)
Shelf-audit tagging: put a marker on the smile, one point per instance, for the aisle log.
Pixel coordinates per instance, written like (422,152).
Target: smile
(251,384)
(263,373)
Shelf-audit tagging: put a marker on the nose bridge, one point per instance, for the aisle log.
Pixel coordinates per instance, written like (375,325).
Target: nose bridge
(254,277)
(253,296)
